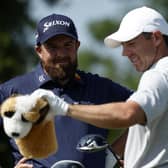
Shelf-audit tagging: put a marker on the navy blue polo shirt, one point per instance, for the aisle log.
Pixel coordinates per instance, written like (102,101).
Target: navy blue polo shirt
(86,88)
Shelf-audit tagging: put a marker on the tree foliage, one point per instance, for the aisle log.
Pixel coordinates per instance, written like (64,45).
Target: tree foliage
(16,53)
(14,49)
(101,28)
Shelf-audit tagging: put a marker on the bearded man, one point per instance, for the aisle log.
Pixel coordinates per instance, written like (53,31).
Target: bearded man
(57,46)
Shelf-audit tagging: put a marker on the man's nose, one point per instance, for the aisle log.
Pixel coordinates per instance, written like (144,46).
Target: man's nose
(59,52)
(126,52)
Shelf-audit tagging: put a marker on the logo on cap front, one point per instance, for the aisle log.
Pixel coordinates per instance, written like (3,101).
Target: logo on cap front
(47,25)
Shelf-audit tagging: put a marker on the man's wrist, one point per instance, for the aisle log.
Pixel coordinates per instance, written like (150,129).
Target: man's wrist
(69,110)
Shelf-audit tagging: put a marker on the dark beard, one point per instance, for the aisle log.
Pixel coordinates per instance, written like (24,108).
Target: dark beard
(61,73)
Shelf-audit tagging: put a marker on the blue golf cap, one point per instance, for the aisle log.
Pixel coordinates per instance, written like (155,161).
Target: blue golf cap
(55,24)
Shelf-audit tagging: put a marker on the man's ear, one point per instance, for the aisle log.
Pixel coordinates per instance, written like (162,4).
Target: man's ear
(38,50)
(77,44)
(157,38)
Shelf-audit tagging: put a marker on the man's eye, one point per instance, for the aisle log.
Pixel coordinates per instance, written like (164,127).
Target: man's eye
(23,119)
(51,47)
(9,114)
(69,44)
(131,44)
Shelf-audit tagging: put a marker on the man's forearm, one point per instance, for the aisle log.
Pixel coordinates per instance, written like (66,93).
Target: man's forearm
(112,115)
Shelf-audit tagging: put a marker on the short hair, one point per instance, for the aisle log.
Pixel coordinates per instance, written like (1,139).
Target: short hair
(148,35)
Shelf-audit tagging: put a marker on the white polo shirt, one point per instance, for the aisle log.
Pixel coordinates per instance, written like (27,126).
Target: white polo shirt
(147,146)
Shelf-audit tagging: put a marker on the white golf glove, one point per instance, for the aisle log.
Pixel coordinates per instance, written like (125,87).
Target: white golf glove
(57,105)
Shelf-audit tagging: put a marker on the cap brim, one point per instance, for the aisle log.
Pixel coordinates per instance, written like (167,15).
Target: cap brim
(114,40)
(55,34)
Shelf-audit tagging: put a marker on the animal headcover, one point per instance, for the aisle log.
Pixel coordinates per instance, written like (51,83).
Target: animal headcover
(30,123)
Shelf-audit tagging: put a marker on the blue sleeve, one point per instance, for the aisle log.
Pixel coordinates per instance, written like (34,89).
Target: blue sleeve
(109,91)
(1,96)
(5,91)
(1,100)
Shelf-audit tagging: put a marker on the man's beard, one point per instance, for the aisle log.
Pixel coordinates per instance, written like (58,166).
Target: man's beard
(61,73)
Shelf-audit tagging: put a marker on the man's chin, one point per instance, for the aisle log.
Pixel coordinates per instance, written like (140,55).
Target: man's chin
(61,73)
(60,80)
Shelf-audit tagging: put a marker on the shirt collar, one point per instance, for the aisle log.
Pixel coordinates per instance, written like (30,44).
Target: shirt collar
(42,78)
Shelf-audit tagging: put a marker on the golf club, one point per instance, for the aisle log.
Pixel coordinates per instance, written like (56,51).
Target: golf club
(67,164)
(95,143)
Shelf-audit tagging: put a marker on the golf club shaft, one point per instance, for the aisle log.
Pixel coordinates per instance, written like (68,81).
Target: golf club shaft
(115,155)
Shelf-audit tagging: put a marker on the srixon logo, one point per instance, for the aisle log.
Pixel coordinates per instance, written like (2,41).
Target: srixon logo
(47,25)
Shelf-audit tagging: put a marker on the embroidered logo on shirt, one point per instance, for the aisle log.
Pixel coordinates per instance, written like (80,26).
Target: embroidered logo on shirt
(41,78)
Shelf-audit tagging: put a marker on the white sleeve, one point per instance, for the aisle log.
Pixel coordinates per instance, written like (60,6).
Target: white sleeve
(151,94)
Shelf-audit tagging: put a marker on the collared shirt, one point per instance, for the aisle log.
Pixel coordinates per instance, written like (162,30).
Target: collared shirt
(85,88)
(147,146)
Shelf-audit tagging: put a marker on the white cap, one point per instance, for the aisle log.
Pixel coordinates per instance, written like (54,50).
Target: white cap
(139,20)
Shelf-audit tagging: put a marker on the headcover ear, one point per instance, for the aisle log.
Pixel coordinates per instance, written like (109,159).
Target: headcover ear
(38,113)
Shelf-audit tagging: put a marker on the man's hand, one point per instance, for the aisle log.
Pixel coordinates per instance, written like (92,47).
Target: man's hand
(57,105)
(22,164)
